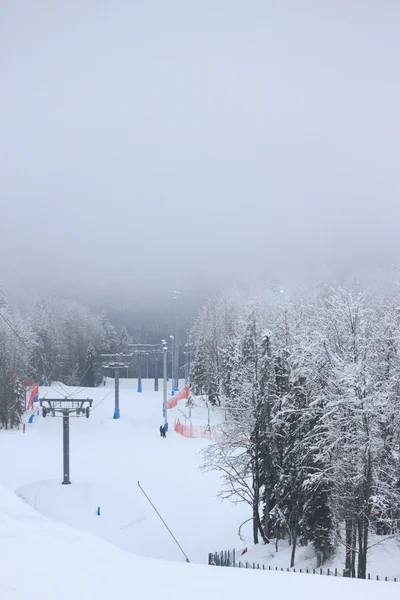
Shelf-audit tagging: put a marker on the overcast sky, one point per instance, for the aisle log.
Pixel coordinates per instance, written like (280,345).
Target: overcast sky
(149,145)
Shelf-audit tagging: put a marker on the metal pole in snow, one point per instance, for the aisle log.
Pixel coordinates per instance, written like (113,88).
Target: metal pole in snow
(186,367)
(165,391)
(165,525)
(176,297)
(66,479)
(116,403)
(172,364)
(156,375)
(139,387)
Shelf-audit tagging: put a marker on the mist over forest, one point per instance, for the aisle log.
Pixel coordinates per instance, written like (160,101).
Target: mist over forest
(150,147)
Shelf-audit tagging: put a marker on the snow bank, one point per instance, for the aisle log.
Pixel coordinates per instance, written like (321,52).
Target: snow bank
(383,558)
(46,560)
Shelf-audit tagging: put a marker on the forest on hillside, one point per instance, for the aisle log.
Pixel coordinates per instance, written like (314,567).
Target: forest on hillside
(311,392)
(57,340)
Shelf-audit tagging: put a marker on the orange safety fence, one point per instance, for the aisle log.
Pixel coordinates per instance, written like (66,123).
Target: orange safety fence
(33,393)
(182,395)
(195,431)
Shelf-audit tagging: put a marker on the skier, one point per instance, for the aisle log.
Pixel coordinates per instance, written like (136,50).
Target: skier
(164,432)
(161,430)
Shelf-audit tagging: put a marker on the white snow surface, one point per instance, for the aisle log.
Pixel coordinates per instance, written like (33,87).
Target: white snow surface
(64,556)
(47,560)
(108,457)
(383,558)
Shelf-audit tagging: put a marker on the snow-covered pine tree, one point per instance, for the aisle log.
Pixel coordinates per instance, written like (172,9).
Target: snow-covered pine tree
(231,367)
(89,379)
(256,398)
(17,404)
(123,340)
(200,369)
(351,394)
(109,339)
(267,436)
(386,497)
(212,332)
(15,342)
(3,299)
(47,356)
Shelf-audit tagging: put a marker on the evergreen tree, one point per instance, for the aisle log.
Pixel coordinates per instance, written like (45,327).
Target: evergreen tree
(3,299)
(17,405)
(15,344)
(123,341)
(268,445)
(200,369)
(109,340)
(90,370)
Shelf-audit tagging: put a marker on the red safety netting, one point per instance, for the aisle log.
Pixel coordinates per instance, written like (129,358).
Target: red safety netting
(181,395)
(32,392)
(195,431)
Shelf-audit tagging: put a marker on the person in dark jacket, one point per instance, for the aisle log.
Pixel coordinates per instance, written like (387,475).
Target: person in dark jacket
(164,432)
(161,430)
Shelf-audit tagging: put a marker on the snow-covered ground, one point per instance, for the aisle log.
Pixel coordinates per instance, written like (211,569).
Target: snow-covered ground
(108,457)
(384,558)
(45,558)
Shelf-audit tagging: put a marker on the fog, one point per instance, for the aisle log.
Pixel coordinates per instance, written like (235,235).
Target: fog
(154,145)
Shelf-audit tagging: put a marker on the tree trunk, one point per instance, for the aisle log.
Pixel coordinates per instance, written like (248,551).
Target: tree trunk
(257,523)
(347,563)
(368,508)
(362,553)
(363,523)
(266,515)
(294,540)
(365,548)
(256,500)
(360,548)
(255,528)
(261,529)
(353,550)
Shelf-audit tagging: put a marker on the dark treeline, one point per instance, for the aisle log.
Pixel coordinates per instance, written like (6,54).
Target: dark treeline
(311,393)
(57,340)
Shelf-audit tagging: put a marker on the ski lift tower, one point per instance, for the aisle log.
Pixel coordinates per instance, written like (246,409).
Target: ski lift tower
(150,350)
(66,408)
(116,362)
(155,349)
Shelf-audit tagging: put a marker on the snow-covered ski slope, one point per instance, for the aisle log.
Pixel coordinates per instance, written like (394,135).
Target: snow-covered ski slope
(45,558)
(108,457)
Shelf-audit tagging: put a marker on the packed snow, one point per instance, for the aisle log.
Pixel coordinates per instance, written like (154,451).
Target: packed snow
(44,559)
